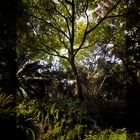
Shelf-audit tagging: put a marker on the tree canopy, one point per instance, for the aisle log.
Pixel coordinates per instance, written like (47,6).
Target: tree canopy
(72,29)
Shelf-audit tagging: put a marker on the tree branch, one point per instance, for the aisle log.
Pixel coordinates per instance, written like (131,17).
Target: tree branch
(86,46)
(101,85)
(84,37)
(73,27)
(113,16)
(65,18)
(65,7)
(92,29)
(57,53)
(63,42)
(49,24)
(109,11)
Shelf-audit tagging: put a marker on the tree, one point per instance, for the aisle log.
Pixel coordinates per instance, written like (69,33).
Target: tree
(7,48)
(132,63)
(64,28)
(8,66)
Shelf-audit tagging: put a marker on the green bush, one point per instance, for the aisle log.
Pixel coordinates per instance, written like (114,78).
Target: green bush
(107,135)
(58,119)
(67,119)
(26,121)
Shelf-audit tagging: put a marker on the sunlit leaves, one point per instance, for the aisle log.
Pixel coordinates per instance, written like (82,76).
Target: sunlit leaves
(52,21)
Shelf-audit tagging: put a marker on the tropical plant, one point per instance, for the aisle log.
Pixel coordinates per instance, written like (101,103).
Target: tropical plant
(32,77)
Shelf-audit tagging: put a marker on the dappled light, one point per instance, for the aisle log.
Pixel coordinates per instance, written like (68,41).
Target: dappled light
(70,70)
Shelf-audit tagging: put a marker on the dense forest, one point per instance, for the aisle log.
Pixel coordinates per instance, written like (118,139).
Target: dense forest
(70,69)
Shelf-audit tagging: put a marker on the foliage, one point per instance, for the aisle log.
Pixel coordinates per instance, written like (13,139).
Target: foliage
(65,28)
(67,120)
(107,134)
(133,135)
(7,116)
(57,119)
(30,80)
(92,45)
(26,122)
(26,128)
(6,107)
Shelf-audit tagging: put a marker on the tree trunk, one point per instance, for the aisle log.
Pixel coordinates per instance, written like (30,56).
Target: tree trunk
(8,48)
(78,87)
(8,63)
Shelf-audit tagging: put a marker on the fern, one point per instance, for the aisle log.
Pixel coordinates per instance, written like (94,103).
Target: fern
(5,100)
(6,110)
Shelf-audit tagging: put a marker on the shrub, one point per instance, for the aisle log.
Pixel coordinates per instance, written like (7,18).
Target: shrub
(56,118)
(68,119)
(26,121)
(107,135)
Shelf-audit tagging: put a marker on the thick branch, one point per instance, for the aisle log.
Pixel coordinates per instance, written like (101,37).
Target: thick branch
(73,21)
(84,37)
(65,18)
